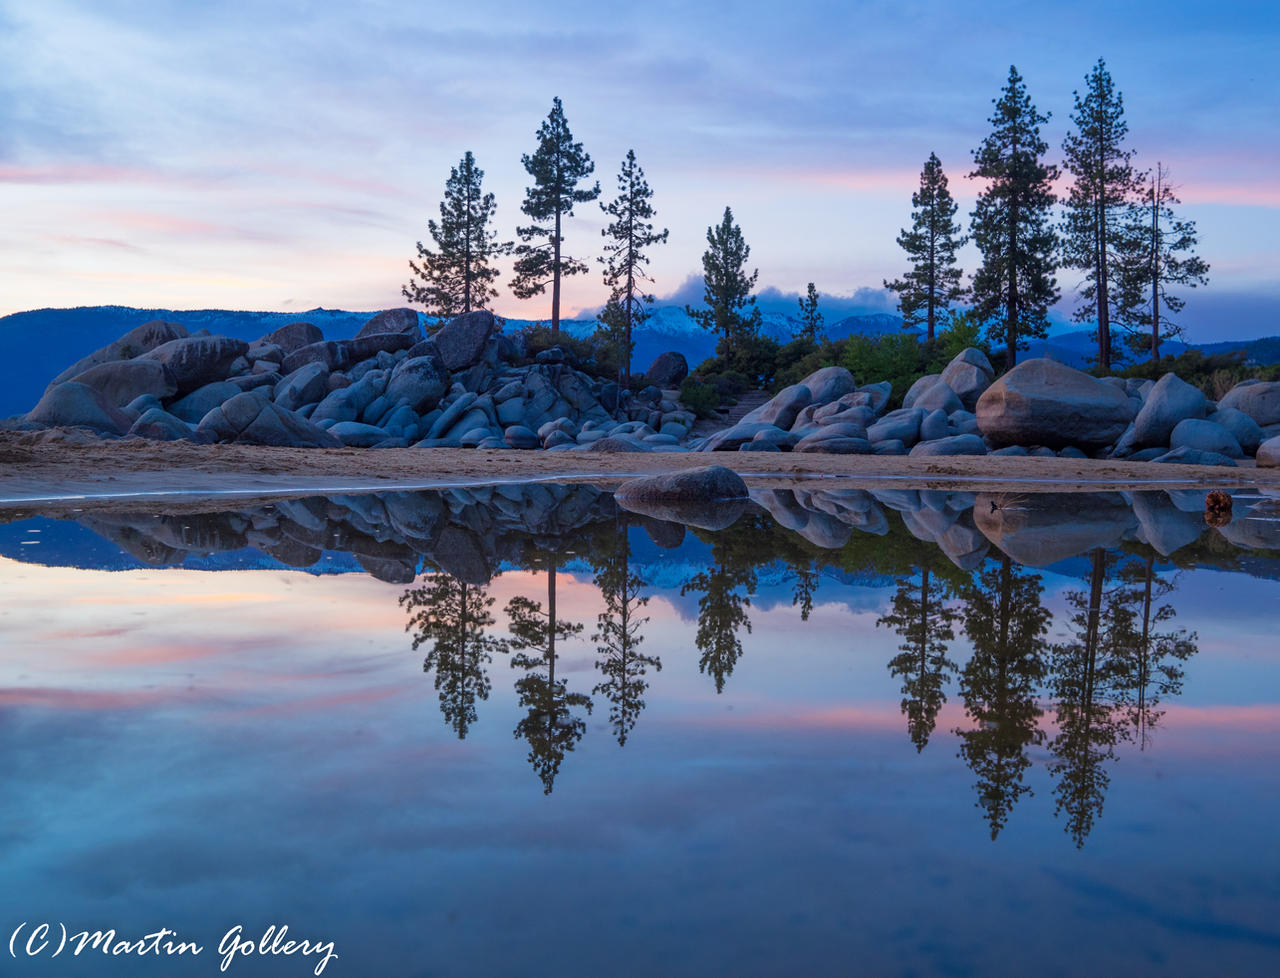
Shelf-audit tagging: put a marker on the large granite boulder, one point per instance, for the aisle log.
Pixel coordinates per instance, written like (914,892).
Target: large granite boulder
(1170,401)
(1043,402)
(419,382)
(1246,431)
(139,340)
(252,419)
(968,374)
(74,405)
(829,384)
(328,353)
(293,336)
(306,385)
(902,425)
(711,497)
(159,425)
(917,389)
(201,401)
(939,397)
(1205,436)
(198,360)
(1258,399)
(462,339)
(120,381)
(951,445)
(393,321)
(667,371)
(782,409)
(1269,454)
(376,344)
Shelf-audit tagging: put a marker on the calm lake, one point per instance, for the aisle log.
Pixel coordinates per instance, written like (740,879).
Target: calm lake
(518,731)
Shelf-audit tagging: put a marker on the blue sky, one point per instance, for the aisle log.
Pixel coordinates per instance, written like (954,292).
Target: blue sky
(287,155)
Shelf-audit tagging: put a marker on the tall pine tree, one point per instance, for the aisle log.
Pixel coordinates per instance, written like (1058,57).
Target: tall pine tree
(810,318)
(933,283)
(629,234)
(1014,286)
(1103,187)
(557,166)
(458,275)
(731,311)
(1161,254)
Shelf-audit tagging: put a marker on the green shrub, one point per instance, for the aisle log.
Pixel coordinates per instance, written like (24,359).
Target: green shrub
(699,396)
(1214,373)
(595,355)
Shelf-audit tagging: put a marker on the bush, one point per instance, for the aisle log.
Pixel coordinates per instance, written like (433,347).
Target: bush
(594,355)
(699,396)
(1214,373)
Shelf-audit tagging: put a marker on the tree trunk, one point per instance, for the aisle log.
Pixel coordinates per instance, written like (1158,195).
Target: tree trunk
(1100,264)
(1155,266)
(555,281)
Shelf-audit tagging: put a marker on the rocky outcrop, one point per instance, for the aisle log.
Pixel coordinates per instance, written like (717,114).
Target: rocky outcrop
(139,340)
(251,419)
(462,340)
(198,360)
(75,405)
(121,381)
(1043,402)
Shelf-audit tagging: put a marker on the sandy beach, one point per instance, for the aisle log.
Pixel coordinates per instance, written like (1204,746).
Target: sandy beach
(67,469)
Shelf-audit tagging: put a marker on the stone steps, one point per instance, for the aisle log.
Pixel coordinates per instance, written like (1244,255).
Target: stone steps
(728,417)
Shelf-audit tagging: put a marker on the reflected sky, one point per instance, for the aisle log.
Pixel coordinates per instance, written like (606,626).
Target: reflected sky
(194,749)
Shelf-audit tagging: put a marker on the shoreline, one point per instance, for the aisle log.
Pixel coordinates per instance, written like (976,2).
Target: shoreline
(74,473)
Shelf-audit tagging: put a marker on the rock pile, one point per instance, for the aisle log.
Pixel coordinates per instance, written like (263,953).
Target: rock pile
(466,386)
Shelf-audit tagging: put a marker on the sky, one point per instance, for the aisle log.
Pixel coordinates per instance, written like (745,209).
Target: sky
(280,156)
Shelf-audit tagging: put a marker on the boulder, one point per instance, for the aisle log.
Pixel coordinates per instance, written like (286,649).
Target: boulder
(1246,431)
(1170,401)
(200,402)
(902,425)
(74,405)
(782,440)
(1269,454)
(377,345)
(917,390)
(139,340)
(968,374)
(934,424)
(782,409)
(952,445)
(1205,436)
(1043,402)
(841,445)
(462,339)
(306,385)
(1194,456)
(293,336)
(518,436)
(829,384)
(1258,399)
(711,497)
(731,439)
(617,443)
(198,360)
(419,382)
(331,355)
(159,425)
(250,418)
(667,371)
(355,434)
(877,395)
(121,381)
(403,321)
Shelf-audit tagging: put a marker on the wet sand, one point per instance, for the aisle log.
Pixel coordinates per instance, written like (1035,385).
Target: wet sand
(72,470)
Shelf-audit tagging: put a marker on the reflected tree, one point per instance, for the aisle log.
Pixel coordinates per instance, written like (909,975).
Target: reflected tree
(1086,674)
(617,633)
(805,576)
(551,726)
(453,615)
(722,609)
(1149,667)
(926,623)
(1006,621)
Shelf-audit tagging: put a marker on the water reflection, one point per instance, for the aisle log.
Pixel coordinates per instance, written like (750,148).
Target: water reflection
(968,603)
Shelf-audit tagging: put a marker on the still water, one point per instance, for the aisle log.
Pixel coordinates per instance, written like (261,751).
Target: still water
(519,731)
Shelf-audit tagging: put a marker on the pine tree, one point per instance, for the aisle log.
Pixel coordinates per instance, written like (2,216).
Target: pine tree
(457,277)
(1160,255)
(556,166)
(933,284)
(624,262)
(809,315)
(1014,286)
(731,312)
(1101,193)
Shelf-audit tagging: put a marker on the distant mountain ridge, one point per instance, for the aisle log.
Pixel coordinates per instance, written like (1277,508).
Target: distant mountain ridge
(36,345)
